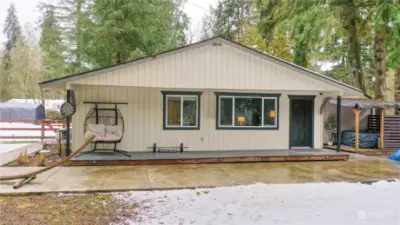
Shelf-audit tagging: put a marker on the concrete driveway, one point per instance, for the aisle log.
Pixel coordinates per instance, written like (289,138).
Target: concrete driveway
(156,177)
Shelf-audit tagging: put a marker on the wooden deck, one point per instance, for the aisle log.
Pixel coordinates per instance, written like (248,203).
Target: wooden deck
(363,151)
(195,157)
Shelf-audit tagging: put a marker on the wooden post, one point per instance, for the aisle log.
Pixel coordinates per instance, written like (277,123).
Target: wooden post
(338,123)
(357,127)
(42,131)
(67,135)
(382,130)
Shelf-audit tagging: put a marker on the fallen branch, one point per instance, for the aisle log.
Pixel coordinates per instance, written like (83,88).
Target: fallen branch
(32,175)
(22,182)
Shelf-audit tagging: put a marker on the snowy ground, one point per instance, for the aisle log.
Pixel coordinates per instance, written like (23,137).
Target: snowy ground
(4,148)
(23,133)
(261,204)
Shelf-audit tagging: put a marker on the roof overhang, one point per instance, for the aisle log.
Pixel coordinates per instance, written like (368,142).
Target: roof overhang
(366,103)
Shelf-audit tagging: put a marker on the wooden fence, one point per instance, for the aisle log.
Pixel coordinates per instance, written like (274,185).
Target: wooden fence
(392,132)
(45,125)
(391,128)
(374,123)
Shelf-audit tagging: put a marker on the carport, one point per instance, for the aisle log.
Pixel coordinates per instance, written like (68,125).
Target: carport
(22,111)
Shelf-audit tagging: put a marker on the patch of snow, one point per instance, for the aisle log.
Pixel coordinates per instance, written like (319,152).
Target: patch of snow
(45,151)
(27,133)
(4,148)
(261,204)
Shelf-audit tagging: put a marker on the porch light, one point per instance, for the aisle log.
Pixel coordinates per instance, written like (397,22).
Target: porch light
(272,113)
(241,120)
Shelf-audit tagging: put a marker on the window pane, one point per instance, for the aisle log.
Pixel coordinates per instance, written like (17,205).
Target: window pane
(174,111)
(248,111)
(270,112)
(189,111)
(225,111)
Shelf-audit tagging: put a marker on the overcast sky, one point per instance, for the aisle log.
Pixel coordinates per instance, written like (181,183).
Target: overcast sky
(28,12)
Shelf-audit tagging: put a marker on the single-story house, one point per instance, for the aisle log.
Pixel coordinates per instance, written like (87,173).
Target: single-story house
(212,95)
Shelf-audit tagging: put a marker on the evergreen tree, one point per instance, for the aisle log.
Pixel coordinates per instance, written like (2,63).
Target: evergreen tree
(302,21)
(12,28)
(51,43)
(386,30)
(72,19)
(128,29)
(349,13)
(230,18)
(12,31)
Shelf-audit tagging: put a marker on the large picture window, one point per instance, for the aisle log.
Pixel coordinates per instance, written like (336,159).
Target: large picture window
(247,111)
(181,110)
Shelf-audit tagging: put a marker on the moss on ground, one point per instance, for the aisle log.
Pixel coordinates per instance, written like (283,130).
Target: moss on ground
(63,209)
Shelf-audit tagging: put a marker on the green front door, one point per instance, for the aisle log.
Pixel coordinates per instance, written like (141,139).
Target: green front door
(301,122)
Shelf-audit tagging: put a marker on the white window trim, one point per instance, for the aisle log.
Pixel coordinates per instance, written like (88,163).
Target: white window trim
(233,112)
(181,125)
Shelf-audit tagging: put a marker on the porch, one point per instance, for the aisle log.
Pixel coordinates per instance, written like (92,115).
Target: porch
(197,157)
(375,131)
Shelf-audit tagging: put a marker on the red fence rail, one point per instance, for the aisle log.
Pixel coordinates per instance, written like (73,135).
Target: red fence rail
(45,125)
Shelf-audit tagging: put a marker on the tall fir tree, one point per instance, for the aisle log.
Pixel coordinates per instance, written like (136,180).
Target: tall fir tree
(386,24)
(12,31)
(72,18)
(350,17)
(231,17)
(51,43)
(128,29)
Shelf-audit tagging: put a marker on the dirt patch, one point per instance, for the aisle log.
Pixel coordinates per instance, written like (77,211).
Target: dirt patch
(64,209)
(52,155)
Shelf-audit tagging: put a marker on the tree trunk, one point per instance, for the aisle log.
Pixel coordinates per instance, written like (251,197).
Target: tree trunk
(78,38)
(397,83)
(397,80)
(349,17)
(380,64)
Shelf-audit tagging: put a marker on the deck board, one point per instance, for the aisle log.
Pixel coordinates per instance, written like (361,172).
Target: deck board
(189,157)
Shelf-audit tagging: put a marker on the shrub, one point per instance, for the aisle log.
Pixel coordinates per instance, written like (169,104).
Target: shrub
(53,115)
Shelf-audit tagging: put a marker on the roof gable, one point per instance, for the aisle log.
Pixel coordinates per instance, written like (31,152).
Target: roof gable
(212,54)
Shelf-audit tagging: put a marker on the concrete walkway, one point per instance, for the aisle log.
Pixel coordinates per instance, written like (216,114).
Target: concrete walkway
(156,177)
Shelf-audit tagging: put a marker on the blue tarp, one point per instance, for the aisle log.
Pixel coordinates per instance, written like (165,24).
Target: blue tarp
(395,156)
(366,139)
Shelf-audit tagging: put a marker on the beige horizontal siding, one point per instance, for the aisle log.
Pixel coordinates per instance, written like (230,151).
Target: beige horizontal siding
(210,67)
(143,123)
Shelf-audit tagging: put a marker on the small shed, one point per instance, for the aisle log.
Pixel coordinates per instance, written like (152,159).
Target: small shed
(22,111)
